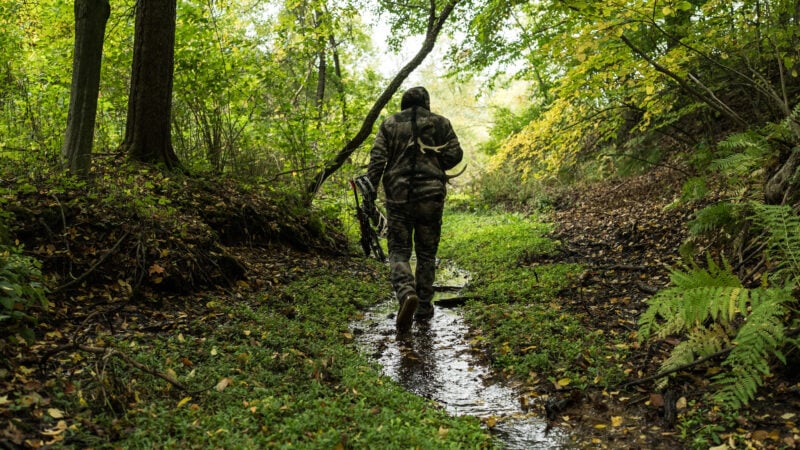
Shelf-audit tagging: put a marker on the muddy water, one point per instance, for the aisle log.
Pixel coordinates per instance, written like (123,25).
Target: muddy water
(436,361)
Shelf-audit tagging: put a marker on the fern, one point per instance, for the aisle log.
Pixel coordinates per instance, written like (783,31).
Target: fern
(713,217)
(761,336)
(783,227)
(711,308)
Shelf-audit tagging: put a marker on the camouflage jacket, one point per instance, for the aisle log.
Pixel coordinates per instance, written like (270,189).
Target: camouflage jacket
(411,172)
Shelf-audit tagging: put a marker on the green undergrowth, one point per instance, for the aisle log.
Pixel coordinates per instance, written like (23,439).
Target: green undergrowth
(514,301)
(284,372)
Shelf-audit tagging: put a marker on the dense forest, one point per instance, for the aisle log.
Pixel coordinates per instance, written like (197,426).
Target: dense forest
(233,122)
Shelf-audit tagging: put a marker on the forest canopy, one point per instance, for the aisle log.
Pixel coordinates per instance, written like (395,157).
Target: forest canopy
(268,87)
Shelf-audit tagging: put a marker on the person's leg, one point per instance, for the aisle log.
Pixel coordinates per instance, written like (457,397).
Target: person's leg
(428,229)
(400,235)
(399,239)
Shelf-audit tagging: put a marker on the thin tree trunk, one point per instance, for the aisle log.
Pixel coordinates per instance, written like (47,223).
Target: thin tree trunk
(435,25)
(147,133)
(90,27)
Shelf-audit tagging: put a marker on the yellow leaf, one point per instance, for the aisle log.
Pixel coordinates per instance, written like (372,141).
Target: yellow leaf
(184,401)
(786,416)
(443,432)
(600,426)
(564,382)
(491,421)
(347,335)
(55,413)
(223,383)
(4,400)
(616,421)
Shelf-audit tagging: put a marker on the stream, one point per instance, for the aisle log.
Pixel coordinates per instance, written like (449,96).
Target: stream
(435,360)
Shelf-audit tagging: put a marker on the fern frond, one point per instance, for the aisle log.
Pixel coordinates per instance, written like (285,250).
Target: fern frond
(715,313)
(783,227)
(712,217)
(760,336)
(701,342)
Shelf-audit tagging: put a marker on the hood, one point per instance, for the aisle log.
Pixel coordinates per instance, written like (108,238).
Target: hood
(416,96)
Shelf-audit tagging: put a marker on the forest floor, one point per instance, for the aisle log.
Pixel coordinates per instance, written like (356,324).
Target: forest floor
(155,266)
(626,234)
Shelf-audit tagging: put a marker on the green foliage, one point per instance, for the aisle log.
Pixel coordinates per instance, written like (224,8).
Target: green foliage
(782,226)
(711,308)
(528,332)
(506,188)
(714,217)
(22,294)
(638,76)
(294,378)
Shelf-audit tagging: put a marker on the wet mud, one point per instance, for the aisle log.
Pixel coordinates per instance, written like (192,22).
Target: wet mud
(435,360)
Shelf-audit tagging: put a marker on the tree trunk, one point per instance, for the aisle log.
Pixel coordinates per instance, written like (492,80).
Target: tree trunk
(435,25)
(90,27)
(782,187)
(147,132)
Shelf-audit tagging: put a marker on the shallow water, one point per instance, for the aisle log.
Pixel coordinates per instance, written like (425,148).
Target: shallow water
(436,361)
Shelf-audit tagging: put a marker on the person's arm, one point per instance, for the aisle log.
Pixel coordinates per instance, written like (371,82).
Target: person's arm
(451,153)
(378,157)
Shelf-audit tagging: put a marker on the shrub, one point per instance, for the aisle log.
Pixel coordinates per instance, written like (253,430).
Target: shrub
(21,293)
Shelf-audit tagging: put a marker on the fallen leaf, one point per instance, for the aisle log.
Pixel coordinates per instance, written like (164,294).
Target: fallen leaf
(443,432)
(55,413)
(657,400)
(616,421)
(680,405)
(60,427)
(601,426)
(564,382)
(786,416)
(223,383)
(183,401)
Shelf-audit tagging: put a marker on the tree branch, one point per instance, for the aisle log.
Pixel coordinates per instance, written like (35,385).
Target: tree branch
(435,25)
(711,102)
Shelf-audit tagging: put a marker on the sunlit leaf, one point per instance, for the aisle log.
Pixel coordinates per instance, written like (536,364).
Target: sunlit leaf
(223,383)
(55,413)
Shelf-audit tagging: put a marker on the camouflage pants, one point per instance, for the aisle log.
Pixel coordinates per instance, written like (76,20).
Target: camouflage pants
(417,225)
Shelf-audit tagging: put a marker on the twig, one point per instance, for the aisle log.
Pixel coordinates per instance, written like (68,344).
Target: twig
(677,369)
(107,351)
(94,266)
(646,288)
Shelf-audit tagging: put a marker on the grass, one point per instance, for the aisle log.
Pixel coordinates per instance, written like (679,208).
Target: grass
(515,309)
(284,373)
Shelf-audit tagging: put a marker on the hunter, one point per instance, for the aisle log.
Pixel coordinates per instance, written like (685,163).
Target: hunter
(412,151)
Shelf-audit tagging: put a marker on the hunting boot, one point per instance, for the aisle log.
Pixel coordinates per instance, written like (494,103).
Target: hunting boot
(424,311)
(406,314)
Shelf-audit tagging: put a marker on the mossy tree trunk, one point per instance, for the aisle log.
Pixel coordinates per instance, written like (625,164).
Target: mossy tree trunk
(90,27)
